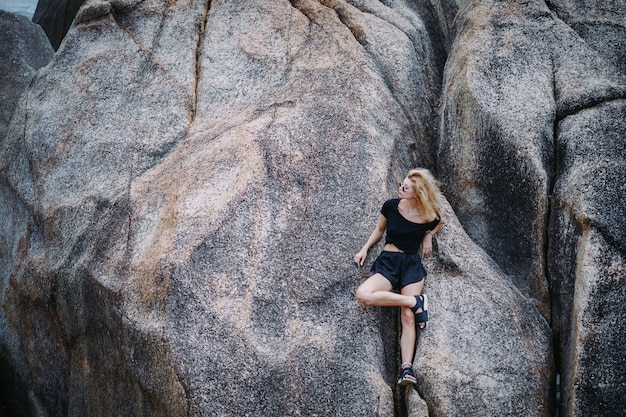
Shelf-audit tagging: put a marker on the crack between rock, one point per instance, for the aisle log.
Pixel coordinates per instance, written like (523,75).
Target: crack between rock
(548,242)
(36,213)
(344,17)
(562,115)
(201,30)
(297,4)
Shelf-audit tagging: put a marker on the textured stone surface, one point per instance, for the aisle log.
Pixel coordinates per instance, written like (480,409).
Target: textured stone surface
(185,201)
(483,336)
(495,140)
(24,50)
(588,259)
(602,25)
(184,186)
(532,156)
(416,406)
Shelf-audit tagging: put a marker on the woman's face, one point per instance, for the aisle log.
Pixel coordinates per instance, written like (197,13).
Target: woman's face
(405,190)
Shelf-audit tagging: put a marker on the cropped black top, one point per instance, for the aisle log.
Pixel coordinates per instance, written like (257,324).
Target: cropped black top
(406,235)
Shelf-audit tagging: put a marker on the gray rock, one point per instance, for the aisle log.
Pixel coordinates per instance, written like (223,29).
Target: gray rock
(483,336)
(532,158)
(589,259)
(495,149)
(24,50)
(417,407)
(197,255)
(602,27)
(184,197)
(445,11)
(184,187)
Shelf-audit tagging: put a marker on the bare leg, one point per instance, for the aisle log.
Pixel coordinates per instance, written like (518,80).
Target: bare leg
(407,318)
(377,291)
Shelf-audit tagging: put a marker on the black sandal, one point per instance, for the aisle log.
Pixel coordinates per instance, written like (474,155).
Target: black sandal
(421,302)
(407,377)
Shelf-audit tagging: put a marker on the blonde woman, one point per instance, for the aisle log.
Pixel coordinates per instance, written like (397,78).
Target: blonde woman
(410,222)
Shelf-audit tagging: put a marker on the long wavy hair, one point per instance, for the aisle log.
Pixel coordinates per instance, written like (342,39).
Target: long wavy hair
(426,190)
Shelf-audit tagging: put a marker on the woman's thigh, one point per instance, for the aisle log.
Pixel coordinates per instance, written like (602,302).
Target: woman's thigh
(376,282)
(413,289)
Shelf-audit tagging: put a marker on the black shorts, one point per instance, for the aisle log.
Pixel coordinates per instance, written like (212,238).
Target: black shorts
(401,269)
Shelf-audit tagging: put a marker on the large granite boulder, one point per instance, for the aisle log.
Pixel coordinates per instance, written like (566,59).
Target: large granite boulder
(24,50)
(588,259)
(183,200)
(532,159)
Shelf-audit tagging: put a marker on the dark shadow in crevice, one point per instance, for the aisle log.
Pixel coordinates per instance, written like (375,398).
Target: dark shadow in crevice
(13,394)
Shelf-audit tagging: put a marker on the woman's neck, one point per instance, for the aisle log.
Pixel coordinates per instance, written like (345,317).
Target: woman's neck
(412,205)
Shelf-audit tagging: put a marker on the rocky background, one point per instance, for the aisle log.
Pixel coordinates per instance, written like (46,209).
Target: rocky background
(183,185)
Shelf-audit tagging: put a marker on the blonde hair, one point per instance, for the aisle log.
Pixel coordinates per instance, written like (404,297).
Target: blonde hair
(426,190)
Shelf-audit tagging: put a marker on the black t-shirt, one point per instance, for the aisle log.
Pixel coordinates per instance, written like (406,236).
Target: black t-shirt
(406,235)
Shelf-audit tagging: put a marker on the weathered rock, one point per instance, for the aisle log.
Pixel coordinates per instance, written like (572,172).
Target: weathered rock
(102,114)
(487,114)
(602,26)
(178,259)
(24,50)
(56,17)
(416,407)
(194,255)
(532,157)
(588,259)
(484,336)
(186,192)
(496,137)
(446,11)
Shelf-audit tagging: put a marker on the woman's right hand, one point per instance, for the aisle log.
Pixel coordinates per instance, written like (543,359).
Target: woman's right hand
(359,258)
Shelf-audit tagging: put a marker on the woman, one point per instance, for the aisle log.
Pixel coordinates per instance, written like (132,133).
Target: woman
(410,221)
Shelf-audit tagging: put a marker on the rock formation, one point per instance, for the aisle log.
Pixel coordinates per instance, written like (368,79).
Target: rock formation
(185,185)
(532,155)
(24,50)
(485,337)
(601,26)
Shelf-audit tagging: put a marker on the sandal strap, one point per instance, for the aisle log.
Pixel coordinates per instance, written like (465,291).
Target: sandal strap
(407,371)
(419,303)
(407,377)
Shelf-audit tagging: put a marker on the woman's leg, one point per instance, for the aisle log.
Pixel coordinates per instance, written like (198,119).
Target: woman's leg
(377,291)
(407,318)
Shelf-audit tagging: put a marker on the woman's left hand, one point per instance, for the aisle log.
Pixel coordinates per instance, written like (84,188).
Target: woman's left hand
(427,244)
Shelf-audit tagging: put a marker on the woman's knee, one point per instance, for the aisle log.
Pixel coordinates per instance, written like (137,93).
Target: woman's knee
(407,317)
(363,295)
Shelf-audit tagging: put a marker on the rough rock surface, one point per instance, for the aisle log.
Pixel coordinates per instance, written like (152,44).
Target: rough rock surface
(485,337)
(602,25)
(24,50)
(56,17)
(184,192)
(588,258)
(184,187)
(532,155)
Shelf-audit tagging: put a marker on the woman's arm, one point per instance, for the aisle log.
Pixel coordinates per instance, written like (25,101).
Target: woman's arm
(377,233)
(427,242)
